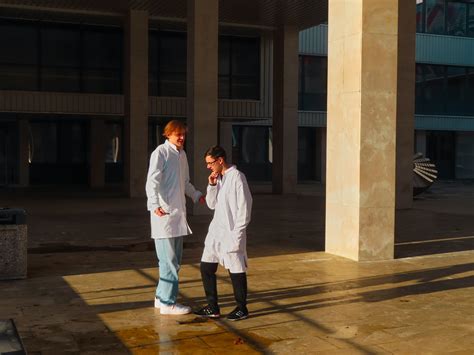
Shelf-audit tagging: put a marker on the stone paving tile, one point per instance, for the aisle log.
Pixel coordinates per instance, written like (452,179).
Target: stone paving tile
(368,350)
(184,347)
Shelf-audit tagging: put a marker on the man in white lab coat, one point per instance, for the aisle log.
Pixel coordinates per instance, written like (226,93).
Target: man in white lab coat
(166,186)
(229,196)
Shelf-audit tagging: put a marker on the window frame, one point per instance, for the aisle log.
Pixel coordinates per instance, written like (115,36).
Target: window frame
(157,35)
(40,67)
(469,8)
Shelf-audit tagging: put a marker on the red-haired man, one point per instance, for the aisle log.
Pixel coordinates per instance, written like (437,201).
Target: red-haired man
(166,186)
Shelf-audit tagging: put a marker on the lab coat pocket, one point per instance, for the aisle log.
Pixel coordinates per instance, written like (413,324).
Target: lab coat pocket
(159,226)
(235,242)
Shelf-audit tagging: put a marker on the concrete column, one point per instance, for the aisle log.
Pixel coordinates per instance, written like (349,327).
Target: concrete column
(23,157)
(98,145)
(136,103)
(201,78)
(363,81)
(405,103)
(285,110)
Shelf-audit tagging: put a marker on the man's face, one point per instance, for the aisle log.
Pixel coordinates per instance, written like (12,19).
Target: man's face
(215,165)
(177,138)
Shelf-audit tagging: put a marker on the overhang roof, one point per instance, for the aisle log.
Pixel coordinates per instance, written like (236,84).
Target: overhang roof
(258,13)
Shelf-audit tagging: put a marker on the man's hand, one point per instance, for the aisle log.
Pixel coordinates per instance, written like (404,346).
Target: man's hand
(160,212)
(202,200)
(213,178)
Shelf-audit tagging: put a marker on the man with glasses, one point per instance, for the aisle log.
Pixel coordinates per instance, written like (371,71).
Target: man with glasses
(229,196)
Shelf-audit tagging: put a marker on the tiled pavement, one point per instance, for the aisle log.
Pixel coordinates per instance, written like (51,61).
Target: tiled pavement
(92,276)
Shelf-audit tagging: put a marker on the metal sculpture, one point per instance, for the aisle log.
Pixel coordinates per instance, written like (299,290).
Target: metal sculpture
(424,173)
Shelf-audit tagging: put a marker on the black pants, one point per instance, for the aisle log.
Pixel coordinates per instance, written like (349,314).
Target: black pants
(209,280)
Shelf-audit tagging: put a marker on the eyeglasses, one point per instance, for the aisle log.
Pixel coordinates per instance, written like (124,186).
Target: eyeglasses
(210,162)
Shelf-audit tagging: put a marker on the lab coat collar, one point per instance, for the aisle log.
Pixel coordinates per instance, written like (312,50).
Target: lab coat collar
(172,146)
(229,169)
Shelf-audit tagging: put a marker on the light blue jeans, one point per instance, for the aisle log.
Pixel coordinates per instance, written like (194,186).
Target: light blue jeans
(169,252)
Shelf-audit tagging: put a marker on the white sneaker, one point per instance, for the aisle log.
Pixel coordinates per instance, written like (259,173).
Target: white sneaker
(174,309)
(157,303)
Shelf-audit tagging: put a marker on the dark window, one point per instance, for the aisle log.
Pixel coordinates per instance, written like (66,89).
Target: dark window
(440,148)
(9,152)
(307,152)
(60,57)
(456,97)
(420,16)
(254,160)
(464,155)
(239,68)
(72,143)
(167,64)
(444,90)
(58,152)
(43,143)
(434,98)
(456,18)
(18,56)
(102,67)
(313,83)
(470,92)
(434,20)
(449,17)
(113,155)
(224,68)
(470,20)
(419,90)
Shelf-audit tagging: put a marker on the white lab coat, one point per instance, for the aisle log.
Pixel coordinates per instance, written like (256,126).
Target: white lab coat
(166,186)
(226,240)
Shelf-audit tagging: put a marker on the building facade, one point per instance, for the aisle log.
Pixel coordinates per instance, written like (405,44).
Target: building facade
(444,93)
(62,92)
(86,88)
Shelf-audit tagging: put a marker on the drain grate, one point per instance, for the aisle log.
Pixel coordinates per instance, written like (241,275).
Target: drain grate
(10,342)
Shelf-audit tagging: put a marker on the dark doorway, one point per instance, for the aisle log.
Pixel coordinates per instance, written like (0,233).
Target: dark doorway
(8,153)
(307,154)
(252,151)
(59,152)
(441,149)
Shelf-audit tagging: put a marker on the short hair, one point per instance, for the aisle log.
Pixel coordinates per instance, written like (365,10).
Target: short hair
(173,126)
(215,152)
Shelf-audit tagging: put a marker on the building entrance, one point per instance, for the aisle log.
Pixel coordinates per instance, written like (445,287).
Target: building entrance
(8,153)
(59,152)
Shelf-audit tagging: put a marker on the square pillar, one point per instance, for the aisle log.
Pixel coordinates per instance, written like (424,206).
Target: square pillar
(24,152)
(363,84)
(285,110)
(98,145)
(136,103)
(201,109)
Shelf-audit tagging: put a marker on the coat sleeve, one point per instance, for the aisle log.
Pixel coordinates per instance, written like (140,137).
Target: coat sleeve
(211,196)
(243,212)
(154,182)
(189,188)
